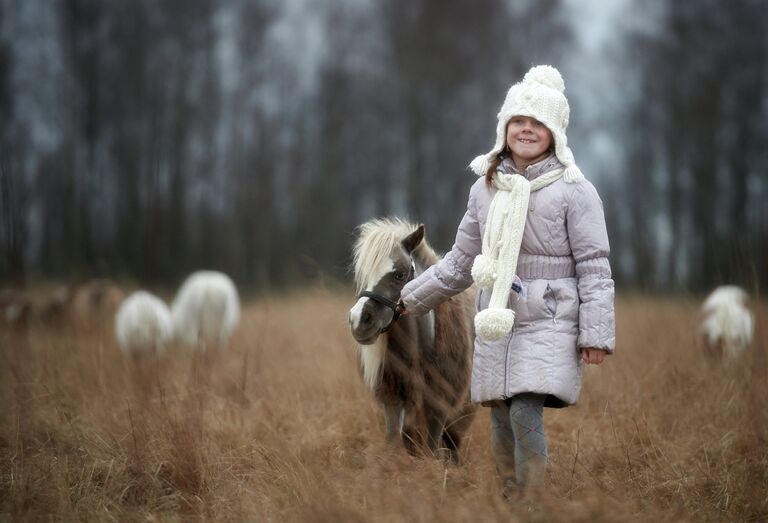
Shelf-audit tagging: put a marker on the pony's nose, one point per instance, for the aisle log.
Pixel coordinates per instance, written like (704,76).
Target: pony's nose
(360,316)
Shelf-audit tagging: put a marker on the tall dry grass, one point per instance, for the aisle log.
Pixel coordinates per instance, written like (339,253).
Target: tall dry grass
(280,428)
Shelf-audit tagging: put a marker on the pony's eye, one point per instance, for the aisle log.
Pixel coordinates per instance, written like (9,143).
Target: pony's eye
(399,275)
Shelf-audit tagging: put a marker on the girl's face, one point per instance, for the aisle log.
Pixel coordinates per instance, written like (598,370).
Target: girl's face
(528,139)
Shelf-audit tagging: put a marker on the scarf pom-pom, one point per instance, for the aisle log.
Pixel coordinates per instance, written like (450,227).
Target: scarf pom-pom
(480,165)
(573,174)
(494,324)
(484,271)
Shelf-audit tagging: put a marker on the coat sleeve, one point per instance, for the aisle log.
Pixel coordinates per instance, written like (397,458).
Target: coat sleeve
(450,275)
(588,239)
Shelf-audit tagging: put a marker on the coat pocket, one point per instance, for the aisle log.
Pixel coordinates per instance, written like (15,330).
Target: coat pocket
(550,301)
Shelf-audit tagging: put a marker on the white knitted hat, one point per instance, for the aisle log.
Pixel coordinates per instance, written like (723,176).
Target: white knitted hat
(540,96)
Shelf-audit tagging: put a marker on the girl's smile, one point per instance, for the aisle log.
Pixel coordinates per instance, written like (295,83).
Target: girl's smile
(528,140)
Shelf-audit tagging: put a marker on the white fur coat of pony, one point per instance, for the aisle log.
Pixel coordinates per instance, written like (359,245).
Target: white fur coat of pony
(143,323)
(206,310)
(727,323)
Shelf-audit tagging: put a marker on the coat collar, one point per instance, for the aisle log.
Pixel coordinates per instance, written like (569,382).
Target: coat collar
(532,171)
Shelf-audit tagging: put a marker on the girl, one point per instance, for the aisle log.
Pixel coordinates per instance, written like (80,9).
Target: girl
(534,240)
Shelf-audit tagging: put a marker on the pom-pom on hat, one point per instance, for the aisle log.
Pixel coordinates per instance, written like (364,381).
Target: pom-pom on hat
(540,95)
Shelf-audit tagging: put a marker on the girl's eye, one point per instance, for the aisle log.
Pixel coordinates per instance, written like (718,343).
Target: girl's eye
(399,275)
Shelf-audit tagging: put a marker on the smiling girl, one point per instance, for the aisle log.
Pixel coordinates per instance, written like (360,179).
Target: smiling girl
(534,240)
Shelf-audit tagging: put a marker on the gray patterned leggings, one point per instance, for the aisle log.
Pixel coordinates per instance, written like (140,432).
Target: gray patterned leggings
(518,441)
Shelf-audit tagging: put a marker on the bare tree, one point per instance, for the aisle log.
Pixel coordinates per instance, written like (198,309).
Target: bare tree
(697,127)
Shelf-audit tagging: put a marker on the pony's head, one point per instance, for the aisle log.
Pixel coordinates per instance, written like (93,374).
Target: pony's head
(387,254)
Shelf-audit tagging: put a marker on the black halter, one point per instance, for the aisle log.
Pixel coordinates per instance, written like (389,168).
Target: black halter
(397,307)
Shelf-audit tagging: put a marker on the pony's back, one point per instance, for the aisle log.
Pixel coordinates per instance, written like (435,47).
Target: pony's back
(727,322)
(206,310)
(143,323)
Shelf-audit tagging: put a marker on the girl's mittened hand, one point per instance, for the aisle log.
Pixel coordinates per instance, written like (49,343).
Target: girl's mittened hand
(592,356)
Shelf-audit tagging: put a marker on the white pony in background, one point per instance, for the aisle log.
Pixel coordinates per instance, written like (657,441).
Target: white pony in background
(726,324)
(206,310)
(143,324)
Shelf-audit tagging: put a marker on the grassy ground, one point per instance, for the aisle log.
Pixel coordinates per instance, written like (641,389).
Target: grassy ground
(282,429)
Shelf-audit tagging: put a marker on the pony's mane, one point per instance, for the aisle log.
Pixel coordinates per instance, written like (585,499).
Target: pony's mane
(375,241)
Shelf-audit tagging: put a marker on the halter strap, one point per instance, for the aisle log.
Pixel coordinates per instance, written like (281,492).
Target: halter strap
(378,298)
(397,307)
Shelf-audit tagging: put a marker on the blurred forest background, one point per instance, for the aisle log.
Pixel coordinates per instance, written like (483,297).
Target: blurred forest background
(143,139)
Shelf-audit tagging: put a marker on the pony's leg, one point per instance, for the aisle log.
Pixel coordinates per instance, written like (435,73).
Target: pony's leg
(412,441)
(393,419)
(412,430)
(397,430)
(435,427)
(455,428)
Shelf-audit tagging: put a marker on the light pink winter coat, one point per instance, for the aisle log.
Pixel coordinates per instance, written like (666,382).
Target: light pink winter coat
(567,297)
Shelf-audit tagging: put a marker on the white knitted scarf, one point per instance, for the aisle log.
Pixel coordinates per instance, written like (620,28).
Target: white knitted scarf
(494,269)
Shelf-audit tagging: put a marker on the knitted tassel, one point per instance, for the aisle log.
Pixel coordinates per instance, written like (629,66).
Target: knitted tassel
(480,165)
(573,174)
(484,271)
(494,324)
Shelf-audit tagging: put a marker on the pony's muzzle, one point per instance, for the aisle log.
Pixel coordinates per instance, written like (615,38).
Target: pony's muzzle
(366,320)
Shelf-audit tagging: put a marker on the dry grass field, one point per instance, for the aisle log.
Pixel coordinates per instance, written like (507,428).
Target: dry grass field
(280,428)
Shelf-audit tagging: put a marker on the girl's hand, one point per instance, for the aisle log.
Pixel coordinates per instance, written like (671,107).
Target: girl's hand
(401,308)
(594,356)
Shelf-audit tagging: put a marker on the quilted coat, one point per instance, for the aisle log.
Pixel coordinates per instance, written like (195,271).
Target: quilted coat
(566,301)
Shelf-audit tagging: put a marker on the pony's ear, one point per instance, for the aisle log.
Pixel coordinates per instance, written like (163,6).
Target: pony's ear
(413,240)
